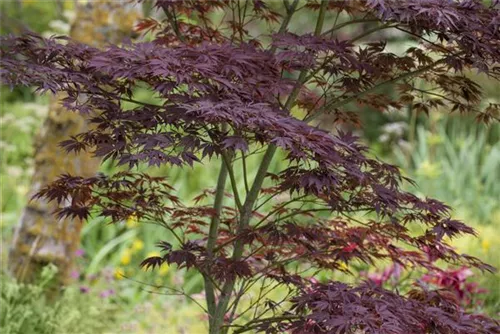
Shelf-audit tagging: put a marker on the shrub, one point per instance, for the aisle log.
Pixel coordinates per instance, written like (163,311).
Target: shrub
(26,308)
(223,95)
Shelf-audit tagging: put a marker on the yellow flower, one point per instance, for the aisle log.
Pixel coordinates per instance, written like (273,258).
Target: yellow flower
(343,266)
(434,139)
(151,254)
(126,257)
(163,269)
(137,245)
(119,273)
(132,221)
(429,169)
(22,189)
(485,245)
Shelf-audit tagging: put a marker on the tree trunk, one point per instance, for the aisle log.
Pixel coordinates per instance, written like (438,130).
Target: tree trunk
(39,237)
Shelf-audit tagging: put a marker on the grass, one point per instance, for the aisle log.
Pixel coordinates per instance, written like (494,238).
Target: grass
(459,163)
(26,308)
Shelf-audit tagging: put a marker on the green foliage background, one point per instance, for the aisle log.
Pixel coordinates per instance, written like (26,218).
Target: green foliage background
(451,158)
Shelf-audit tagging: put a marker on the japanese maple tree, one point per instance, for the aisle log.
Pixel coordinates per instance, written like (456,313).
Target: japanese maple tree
(227,91)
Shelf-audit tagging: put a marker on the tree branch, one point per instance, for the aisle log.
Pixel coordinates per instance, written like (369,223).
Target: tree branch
(335,104)
(255,322)
(173,22)
(342,25)
(232,178)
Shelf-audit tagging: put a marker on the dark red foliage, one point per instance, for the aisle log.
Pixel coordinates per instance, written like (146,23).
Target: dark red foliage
(339,308)
(467,293)
(152,262)
(221,94)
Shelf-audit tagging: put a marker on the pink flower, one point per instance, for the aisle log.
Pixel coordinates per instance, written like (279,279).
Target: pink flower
(75,274)
(79,252)
(107,293)
(463,273)
(393,272)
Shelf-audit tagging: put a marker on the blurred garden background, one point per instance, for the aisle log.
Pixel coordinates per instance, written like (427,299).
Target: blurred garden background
(451,157)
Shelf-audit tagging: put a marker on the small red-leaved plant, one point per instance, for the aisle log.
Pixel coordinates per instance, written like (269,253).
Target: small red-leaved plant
(225,90)
(457,281)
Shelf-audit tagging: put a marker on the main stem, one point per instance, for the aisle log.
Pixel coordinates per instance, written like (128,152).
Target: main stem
(212,238)
(251,198)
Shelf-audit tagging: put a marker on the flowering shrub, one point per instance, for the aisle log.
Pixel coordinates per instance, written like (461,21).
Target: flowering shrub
(456,281)
(221,94)
(466,293)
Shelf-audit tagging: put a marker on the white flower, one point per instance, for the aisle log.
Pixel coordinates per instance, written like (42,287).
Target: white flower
(59,26)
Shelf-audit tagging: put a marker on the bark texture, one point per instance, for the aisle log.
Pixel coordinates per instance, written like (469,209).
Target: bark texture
(40,238)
